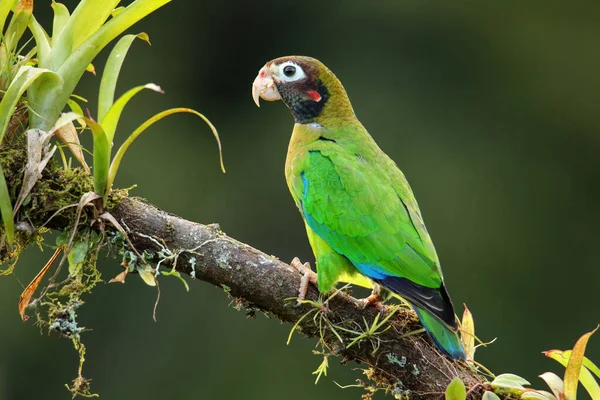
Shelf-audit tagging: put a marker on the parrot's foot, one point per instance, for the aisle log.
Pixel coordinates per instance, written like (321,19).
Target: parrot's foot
(307,276)
(374,299)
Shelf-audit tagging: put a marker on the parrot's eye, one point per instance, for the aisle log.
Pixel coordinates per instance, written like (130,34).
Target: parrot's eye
(289,71)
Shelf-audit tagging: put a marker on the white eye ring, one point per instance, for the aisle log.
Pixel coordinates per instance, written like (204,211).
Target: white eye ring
(285,75)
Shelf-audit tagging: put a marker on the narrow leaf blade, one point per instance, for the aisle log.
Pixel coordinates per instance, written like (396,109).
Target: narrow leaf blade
(5,7)
(42,43)
(18,24)
(467,335)
(6,209)
(29,291)
(574,366)
(101,149)
(61,17)
(114,167)
(111,118)
(111,72)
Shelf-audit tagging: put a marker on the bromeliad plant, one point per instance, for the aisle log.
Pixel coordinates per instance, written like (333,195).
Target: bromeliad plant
(46,84)
(37,83)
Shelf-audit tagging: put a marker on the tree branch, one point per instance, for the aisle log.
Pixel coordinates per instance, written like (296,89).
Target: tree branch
(410,364)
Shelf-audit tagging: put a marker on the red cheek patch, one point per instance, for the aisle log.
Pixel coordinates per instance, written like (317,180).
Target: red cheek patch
(313,95)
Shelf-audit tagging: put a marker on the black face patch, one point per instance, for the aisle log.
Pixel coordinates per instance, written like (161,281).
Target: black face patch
(304,110)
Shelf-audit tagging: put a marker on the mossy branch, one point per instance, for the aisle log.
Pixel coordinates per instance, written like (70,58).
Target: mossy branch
(409,366)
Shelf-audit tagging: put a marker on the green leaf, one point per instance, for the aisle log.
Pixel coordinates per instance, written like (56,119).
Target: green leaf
(101,149)
(591,366)
(456,390)
(574,366)
(77,255)
(5,7)
(114,166)
(111,119)
(6,210)
(61,17)
(489,395)
(42,41)
(86,20)
(43,97)
(117,11)
(76,108)
(18,24)
(24,78)
(63,238)
(111,72)
(510,381)
(71,65)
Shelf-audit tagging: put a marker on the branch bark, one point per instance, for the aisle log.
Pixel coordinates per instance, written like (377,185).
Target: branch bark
(407,365)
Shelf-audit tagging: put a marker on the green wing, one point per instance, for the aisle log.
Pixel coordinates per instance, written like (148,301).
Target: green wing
(363,208)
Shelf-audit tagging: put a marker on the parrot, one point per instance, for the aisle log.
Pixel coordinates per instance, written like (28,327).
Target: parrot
(361,217)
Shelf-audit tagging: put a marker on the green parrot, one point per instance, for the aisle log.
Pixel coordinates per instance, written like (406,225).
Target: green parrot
(361,216)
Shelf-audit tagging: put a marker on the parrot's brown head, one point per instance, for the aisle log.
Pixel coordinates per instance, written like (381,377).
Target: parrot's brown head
(309,89)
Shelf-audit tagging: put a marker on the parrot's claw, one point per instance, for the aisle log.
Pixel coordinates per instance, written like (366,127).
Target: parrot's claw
(374,299)
(307,276)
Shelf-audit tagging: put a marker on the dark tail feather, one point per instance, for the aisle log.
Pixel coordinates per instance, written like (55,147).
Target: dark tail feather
(446,339)
(435,310)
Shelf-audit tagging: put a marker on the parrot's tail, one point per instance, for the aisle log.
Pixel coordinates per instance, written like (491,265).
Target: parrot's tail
(445,338)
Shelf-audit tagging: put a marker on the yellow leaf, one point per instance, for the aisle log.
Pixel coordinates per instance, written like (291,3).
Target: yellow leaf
(33,285)
(574,366)
(467,334)
(147,274)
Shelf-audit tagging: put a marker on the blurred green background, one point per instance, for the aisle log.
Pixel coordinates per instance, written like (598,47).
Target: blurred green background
(492,112)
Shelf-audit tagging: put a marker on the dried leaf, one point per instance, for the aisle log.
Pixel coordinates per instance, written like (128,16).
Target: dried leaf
(37,158)
(33,285)
(119,278)
(68,135)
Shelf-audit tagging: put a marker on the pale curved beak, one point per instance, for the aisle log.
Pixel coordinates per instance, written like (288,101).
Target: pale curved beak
(264,87)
